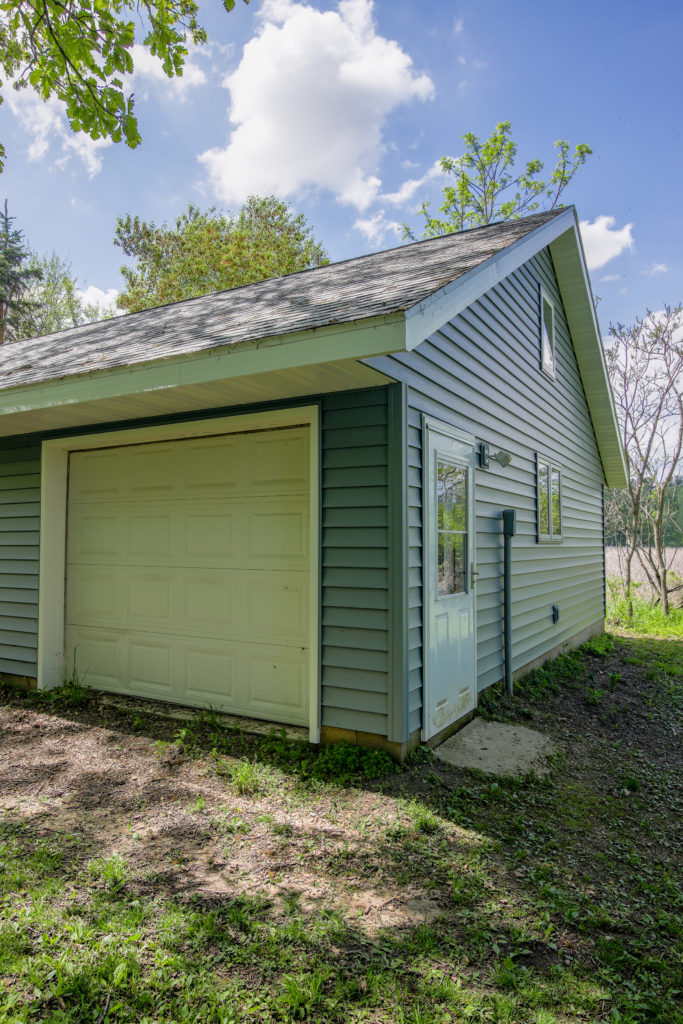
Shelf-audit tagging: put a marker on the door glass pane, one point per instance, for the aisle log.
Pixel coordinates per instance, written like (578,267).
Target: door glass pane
(451,490)
(452,557)
(451,493)
(557,526)
(543,499)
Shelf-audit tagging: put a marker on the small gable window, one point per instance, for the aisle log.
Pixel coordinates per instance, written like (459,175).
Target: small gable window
(547,335)
(549,491)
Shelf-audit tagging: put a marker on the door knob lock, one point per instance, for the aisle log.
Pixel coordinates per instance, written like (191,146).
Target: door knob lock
(473,574)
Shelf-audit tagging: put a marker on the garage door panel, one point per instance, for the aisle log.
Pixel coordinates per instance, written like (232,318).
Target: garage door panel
(278,460)
(94,474)
(210,674)
(188,571)
(150,536)
(210,466)
(93,533)
(277,538)
(148,602)
(209,535)
(92,596)
(96,658)
(149,470)
(278,685)
(207,604)
(150,664)
(277,609)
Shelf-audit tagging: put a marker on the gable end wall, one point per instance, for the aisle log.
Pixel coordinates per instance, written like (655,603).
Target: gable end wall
(481,373)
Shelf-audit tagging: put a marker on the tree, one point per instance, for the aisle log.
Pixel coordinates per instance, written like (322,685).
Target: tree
(80,51)
(645,363)
(16,278)
(207,251)
(487,188)
(55,299)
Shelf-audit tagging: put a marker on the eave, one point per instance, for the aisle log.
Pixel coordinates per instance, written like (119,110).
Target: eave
(290,366)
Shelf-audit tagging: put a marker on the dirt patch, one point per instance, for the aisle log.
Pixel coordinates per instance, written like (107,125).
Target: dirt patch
(178,824)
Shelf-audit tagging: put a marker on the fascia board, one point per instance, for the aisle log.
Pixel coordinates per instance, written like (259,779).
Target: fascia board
(431,313)
(577,297)
(359,339)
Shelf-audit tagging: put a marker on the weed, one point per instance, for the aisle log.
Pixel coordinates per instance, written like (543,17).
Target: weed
(303,993)
(423,818)
(600,645)
(594,695)
(245,777)
(640,616)
(112,871)
(231,826)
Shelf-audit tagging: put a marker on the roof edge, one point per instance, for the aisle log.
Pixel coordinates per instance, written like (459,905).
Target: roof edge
(432,312)
(577,297)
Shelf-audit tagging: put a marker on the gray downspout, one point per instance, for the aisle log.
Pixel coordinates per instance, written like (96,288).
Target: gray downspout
(509,526)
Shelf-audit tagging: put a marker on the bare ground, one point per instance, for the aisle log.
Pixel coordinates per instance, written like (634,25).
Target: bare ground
(431,843)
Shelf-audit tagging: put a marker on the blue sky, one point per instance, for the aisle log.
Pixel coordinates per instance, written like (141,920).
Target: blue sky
(339,106)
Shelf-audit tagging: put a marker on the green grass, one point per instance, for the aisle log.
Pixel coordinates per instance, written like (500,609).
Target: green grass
(557,900)
(639,616)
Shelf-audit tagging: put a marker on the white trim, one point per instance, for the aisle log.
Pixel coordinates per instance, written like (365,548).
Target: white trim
(438,308)
(52,663)
(446,430)
(545,300)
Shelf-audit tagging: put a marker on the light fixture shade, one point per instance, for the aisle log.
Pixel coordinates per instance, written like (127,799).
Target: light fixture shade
(503,458)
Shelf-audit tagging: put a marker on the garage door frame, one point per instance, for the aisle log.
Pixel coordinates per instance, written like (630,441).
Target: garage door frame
(53,521)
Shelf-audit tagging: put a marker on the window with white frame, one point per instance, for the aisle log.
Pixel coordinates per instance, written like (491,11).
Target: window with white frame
(549,500)
(547,335)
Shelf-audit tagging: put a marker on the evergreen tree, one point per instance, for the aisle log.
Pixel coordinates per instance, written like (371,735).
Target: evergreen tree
(17,309)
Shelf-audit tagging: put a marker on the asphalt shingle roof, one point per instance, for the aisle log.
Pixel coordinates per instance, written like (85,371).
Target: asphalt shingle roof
(367,286)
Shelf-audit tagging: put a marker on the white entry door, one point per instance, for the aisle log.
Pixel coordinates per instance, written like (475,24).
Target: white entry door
(450,677)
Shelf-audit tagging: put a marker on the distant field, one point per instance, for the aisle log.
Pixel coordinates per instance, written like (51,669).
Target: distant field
(614,559)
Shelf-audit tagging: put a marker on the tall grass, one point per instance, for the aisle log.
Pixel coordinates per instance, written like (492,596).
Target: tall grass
(639,615)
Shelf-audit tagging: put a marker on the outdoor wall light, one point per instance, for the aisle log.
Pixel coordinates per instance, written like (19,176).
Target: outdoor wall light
(486,456)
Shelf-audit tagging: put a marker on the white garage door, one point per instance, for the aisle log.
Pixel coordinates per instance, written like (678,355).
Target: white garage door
(188,571)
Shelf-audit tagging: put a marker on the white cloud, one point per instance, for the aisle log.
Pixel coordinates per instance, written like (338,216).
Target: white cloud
(609,277)
(407,190)
(45,122)
(93,296)
(458,26)
(308,102)
(376,227)
(147,66)
(657,268)
(602,241)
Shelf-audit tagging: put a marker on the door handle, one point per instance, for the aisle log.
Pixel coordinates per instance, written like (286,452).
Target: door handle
(473,574)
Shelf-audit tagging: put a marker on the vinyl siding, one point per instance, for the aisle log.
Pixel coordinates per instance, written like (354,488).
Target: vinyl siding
(355,562)
(481,373)
(19,542)
(355,558)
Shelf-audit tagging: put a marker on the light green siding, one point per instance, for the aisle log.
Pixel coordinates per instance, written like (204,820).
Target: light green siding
(19,537)
(355,562)
(482,373)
